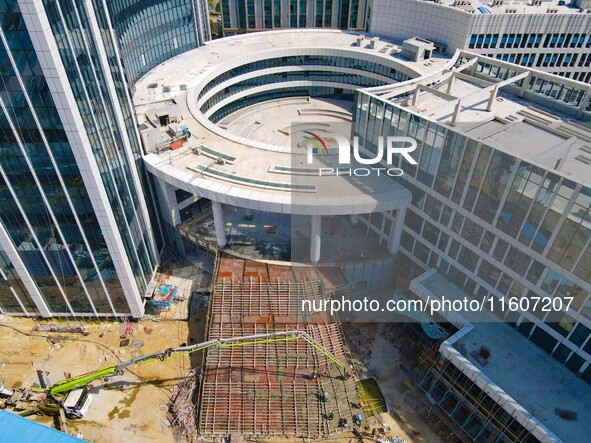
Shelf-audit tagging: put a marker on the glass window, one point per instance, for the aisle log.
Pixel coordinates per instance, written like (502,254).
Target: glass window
(493,187)
(579,334)
(520,197)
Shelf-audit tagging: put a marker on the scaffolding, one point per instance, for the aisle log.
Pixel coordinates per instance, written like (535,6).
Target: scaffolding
(450,400)
(267,390)
(406,271)
(463,405)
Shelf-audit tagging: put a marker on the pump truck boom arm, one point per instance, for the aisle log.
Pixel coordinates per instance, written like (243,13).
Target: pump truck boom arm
(61,388)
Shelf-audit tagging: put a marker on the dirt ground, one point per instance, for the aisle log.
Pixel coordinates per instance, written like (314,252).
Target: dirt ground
(133,405)
(384,364)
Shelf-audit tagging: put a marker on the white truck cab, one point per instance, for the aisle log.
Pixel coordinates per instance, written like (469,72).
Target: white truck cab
(5,392)
(77,403)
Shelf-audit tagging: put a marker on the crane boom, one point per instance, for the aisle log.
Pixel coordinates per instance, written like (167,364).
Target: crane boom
(61,388)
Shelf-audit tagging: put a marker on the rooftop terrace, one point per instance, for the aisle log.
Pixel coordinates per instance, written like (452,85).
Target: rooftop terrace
(505,113)
(257,138)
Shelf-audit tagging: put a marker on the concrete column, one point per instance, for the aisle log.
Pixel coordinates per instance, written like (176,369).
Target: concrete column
(394,245)
(492,97)
(218,221)
(523,88)
(315,238)
(457,109)
(415,96)
(169,208)
(450,83)
(354,219)
(583,105)
(474,67)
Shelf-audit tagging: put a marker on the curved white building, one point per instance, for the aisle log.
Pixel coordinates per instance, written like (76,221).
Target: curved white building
(249,103)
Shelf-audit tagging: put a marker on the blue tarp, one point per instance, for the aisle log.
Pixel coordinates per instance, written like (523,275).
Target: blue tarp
(14,428)
(163,292)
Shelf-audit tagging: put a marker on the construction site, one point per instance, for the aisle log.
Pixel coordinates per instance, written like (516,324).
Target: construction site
(250,364)
(268,390)
(227,354)
(234,358)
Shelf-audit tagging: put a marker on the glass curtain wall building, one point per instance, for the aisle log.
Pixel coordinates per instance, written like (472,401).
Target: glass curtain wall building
(240,16)
(493,221)
(149,32)
(76,238)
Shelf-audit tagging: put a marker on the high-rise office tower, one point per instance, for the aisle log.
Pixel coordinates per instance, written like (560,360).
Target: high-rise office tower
(254,15)
(76,237)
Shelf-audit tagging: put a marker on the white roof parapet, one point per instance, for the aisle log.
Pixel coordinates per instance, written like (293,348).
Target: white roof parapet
(486,378)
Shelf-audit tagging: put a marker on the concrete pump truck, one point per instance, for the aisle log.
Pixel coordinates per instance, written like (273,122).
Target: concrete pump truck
(73,398)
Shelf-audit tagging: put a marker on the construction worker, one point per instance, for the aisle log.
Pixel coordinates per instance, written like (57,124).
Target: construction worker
(357,418)
(323,371)
(330,415)
(348,375)
(325,396)
(357,405)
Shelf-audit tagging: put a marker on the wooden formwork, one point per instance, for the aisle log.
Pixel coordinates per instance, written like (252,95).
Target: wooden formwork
(267,389)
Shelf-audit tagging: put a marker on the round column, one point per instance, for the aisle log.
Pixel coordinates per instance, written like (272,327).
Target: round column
(315,238)
(394,245)
(218,221)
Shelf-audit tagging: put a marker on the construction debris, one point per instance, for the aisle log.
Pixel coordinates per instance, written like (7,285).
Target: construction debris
(164,295)
(137,344)
(52,327)
(125,329)
(182,415)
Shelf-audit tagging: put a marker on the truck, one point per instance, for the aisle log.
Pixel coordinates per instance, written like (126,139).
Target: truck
(77,403)
(71,396)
